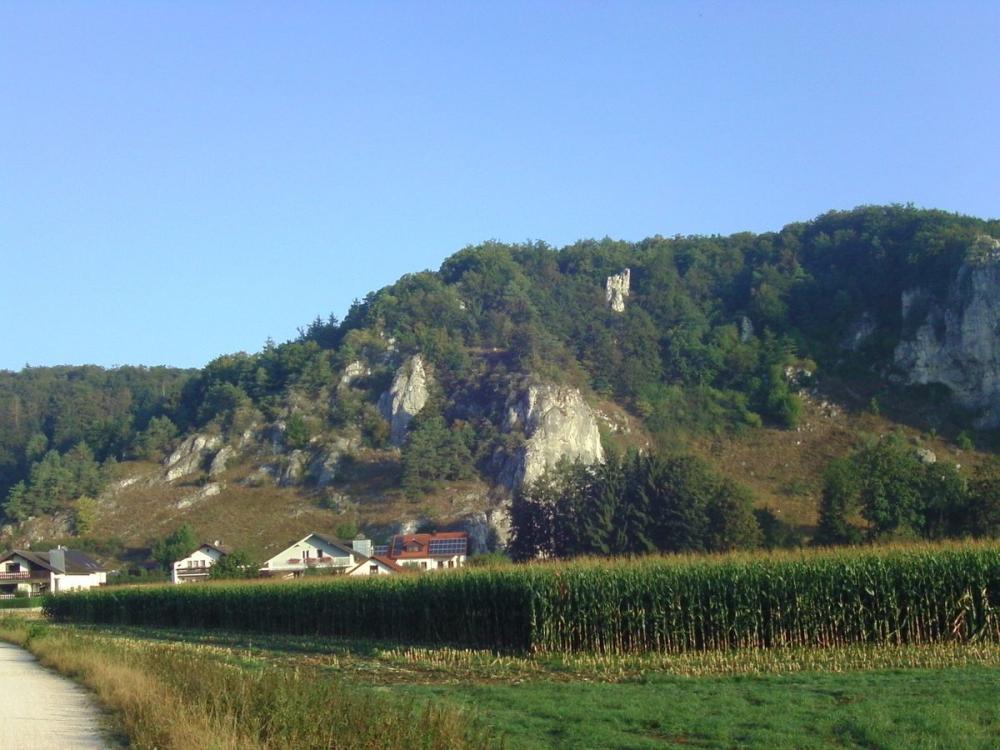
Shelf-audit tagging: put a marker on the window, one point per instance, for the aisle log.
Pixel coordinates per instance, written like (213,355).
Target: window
(423,565)
(440,564)
(373,570)
(451,563)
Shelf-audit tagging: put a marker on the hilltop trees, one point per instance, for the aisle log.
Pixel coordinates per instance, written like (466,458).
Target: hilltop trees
(704,345)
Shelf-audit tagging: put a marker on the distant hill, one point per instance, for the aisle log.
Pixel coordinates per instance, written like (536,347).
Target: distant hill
(436,397)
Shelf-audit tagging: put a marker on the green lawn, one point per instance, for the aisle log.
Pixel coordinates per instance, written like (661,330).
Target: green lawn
(905,709)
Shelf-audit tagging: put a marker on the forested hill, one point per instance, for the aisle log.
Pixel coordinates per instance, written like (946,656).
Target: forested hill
(709,336)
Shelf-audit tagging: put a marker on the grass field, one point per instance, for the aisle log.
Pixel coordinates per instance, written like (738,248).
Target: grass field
(905,709)
(933,696)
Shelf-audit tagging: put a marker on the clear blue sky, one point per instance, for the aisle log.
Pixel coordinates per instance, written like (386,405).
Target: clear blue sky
(183,179)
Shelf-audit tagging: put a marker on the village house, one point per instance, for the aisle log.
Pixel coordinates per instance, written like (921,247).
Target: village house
(198,565)
(376,565)
(37,573)
(405,553)
(440,551)
(318,552)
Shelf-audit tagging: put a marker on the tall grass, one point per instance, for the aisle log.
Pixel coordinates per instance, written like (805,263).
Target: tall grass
(907,595)
(169,698)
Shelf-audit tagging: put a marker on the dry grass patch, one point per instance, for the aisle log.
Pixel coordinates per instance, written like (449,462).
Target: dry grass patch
(171,697)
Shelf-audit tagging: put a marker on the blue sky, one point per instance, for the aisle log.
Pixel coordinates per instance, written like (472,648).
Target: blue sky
(183,179)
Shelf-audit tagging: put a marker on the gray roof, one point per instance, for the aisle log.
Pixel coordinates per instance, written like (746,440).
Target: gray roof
(77,563)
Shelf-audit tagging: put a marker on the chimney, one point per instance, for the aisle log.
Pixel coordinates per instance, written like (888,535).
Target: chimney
(57,558)
(362,546)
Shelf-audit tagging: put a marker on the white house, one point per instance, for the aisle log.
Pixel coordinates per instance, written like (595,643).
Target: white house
(317,552)
(198,565)
(441,551)
(376,565)
(37,573)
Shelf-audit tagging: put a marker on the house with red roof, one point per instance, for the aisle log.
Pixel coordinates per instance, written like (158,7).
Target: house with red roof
(376,565)
(440,551)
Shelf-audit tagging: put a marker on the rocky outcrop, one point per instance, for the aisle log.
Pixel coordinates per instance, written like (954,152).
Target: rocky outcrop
(616,289)
(353,371)
(324,466)
(557,424)
(190,456)
(209,490)
(956,339)
(295,469)
(221,459)
(407,396)
(861,330)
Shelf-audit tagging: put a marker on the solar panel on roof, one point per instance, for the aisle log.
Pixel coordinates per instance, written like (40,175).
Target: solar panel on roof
(447,546)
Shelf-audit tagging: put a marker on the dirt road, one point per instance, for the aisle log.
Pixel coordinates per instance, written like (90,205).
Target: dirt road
(42,710)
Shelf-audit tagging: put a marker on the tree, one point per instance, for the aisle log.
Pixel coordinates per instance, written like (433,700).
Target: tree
(731,521)
(156,439)
(297,432)
(178,544)
(84,515)
(432,453)
(891,489)
(234,565)
(982,511)
(841,489)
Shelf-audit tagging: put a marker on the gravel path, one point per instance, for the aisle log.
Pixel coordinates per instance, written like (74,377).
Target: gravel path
(43,710)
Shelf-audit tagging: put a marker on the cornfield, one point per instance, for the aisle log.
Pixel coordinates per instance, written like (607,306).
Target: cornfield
(666,604)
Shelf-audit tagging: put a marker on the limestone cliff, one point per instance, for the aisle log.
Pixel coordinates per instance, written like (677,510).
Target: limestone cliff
(190,456)
(956,337)
(617,289)
(407,396)
(557,424)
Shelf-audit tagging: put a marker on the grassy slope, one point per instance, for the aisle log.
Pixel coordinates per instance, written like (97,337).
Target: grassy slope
(783,467)
(264,519)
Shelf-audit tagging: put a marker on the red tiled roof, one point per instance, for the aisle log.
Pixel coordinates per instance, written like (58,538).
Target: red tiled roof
(389,564)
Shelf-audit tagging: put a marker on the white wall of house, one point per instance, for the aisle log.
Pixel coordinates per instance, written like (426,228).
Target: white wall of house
(372,567)
(311,552)
(433,563)
(59,582)
(196,563)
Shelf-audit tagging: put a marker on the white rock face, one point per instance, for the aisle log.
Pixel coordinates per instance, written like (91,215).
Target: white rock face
(353,371)
(295,469)
(222,458)
(957,343)
(324,465)
(616,290)
(558,425)
(209,490)
(407,396)
(190,455)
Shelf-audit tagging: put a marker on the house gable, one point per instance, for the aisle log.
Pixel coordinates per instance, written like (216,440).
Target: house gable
(314,550)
